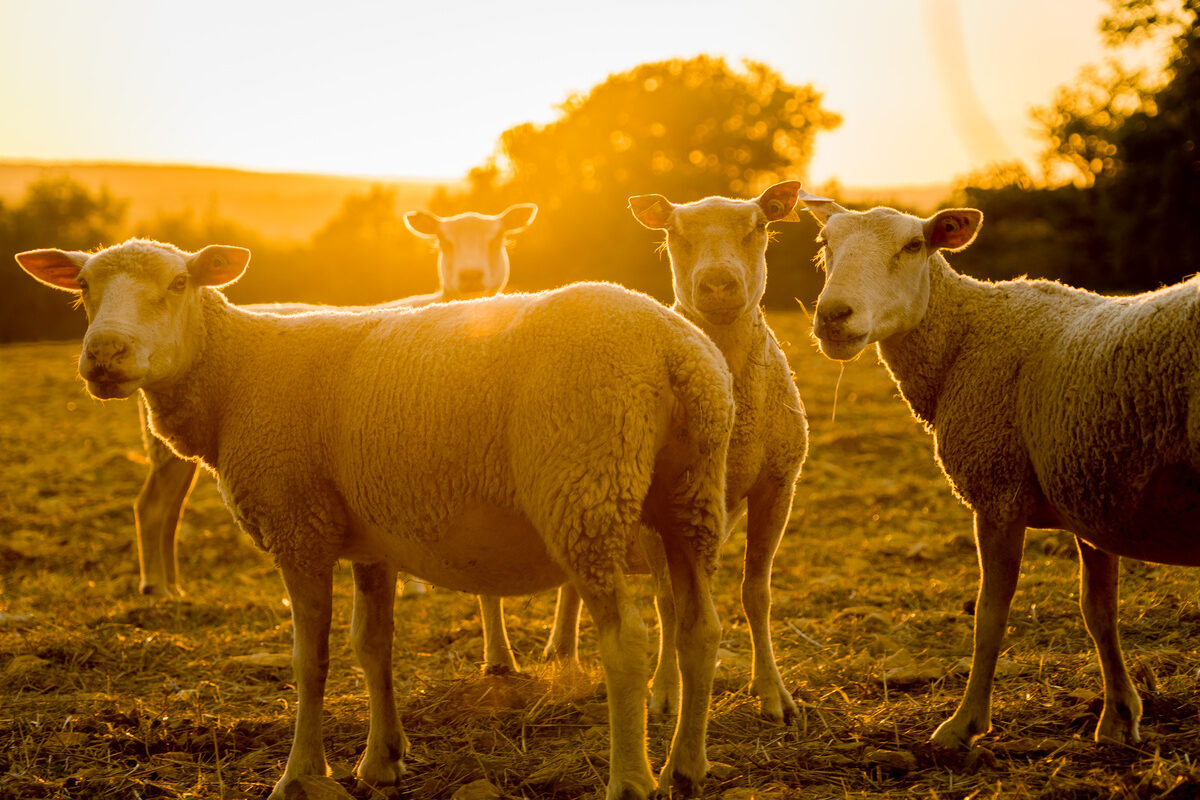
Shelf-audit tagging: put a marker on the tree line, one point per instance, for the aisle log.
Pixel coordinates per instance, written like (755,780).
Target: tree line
(1114,210)
(686,128)
(1118,204)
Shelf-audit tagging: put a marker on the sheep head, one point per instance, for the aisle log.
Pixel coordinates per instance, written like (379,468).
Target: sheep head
(142,303)
(718,247)
(472,252)
(877,271)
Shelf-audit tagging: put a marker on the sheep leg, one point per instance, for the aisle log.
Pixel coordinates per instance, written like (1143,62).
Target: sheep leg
(999,546)
(563,644)
(768,507)
(156,515)
(1098,578)
(497,650)
(696,636)
(623,644)
(311,595)
(371,631)
(664,687)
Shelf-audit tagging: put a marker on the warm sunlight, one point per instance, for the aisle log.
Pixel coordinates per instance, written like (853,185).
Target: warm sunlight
(424,90)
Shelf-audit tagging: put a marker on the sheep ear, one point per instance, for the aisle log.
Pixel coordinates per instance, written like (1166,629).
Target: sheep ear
(822,208)
(652,210)
(778,202)
(423,224)
(218,264)
(57,268)
(952,229)
(516,218)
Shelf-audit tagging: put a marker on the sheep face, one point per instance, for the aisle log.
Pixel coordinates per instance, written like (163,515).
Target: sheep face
(142,305)
(472,254)
(718,247)
(877,271)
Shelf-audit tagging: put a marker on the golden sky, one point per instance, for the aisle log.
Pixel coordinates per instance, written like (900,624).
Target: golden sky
(423,89)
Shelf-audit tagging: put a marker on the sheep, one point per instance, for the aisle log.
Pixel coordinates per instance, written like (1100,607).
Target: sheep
(472,262)
(541,429)
(1050,406)
(717,248)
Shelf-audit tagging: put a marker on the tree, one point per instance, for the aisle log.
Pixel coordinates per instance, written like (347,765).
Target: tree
(683,128)
(1122,166)
(55,212)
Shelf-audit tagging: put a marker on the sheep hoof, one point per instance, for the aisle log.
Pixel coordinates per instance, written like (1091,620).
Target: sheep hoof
(499,670)
(1117,731)
(684,785)
(384,773)
(778,707)
(309,787)
(663,703)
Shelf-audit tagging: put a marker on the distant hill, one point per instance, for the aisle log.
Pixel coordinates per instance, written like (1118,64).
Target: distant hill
(287,207)
(279,206)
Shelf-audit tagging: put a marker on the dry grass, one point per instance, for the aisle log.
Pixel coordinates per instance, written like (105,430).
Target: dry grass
(105,694)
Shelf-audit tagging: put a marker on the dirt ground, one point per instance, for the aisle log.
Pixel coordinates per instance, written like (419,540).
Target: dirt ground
(104,693)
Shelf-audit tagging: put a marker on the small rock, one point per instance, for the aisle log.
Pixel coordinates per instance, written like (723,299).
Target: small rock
(313,787)
(25,666)
(917,552)
(265,660)
(895,760)
(16,620)
(481,789)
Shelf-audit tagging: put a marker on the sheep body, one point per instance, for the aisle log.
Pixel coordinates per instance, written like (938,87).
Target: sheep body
(1050,407)
(1092,406)
(472,262)
(500,446)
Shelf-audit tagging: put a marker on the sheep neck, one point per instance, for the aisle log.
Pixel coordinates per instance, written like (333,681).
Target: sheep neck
(186,409)
(743,342)
(920,359)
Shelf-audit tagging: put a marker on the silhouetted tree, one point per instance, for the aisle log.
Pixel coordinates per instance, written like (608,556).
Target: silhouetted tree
(1128,154)
(683,128)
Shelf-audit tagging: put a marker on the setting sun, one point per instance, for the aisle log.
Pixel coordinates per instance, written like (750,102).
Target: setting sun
(423,89)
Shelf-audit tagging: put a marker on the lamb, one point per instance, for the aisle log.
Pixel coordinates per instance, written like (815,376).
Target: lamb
(1050,406)
(589,409)
(718,249)
(472,262)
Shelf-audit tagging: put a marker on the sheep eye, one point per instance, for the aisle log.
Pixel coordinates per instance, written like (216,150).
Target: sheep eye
(83,285)
(179,284)
(913,246)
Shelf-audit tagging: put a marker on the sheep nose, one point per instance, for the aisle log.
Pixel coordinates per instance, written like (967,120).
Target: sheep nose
(831,317)
(106,350)
(471,279)
(718,286)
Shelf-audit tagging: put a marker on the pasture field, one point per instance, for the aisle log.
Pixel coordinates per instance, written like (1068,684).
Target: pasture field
(106,694)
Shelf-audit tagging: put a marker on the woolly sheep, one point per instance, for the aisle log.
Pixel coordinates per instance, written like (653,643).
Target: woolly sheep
(349,435)
(717,248)
(472,262)
(1051,407)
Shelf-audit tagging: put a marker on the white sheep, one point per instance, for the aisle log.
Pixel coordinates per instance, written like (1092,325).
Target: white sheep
(472,262)
(717,248)
(1051,407)
(497,446)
